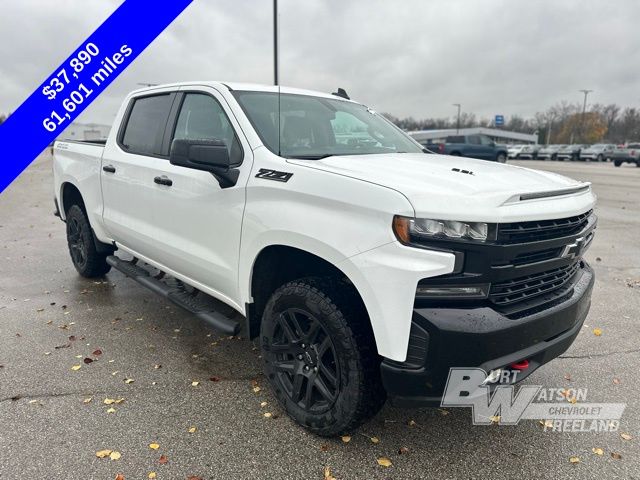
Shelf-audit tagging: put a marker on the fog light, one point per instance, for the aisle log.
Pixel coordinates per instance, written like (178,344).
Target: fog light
(471,291)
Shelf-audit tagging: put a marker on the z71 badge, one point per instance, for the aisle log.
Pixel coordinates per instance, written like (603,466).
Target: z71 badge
(274,175)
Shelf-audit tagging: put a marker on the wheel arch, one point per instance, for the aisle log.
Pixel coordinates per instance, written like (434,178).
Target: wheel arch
(70,195)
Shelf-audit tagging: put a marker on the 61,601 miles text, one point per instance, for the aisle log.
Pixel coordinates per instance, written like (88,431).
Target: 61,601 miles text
(75,98)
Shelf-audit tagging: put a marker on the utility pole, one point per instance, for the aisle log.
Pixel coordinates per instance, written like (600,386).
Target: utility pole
(584,111)
(275,42)
(458,121)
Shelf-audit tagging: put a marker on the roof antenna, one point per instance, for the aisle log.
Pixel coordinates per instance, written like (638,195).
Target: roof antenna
(341,93)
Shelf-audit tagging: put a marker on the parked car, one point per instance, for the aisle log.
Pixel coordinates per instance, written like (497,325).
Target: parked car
(600,152)
(626,154)
(570,152)
(514,151)
(474,146)
(529,152)
(549,152)
(364,268)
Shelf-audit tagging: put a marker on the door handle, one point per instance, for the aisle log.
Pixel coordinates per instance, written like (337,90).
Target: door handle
(109,168)
(163,180)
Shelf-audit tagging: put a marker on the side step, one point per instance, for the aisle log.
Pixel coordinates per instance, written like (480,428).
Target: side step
(202,306)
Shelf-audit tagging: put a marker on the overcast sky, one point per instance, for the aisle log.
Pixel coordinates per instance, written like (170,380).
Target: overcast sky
(405,57)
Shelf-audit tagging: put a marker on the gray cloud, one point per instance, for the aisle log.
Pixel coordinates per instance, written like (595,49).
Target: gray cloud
(409,57)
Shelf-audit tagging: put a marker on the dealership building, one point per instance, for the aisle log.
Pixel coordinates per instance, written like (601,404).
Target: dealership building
(496,134)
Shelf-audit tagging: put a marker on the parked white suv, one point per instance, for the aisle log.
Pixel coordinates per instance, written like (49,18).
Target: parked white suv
(365,267)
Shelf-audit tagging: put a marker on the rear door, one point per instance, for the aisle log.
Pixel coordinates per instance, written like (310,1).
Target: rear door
(129,166)
(474,147)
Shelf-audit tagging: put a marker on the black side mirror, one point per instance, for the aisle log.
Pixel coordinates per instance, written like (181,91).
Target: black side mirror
(208,155)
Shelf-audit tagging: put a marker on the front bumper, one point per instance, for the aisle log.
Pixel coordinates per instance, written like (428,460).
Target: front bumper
(442,338)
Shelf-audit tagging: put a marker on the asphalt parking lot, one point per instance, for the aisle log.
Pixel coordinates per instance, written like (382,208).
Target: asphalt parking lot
(175,374)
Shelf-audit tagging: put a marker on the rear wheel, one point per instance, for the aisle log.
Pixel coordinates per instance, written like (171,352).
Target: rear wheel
(600,158)
(501,158)
(82,248)
(320,357)
(617,163)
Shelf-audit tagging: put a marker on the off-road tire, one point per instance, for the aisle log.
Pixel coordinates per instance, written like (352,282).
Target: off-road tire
(82,248)
(358,386)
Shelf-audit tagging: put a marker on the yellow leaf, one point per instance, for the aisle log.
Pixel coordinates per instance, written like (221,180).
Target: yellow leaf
(327,474)
(87,400)
(103,453)
(118,401)
(574,459)
(195,384)
(268,414)
(375,440)
(546,423)
(111,410)
(115,455)
(129,380)
(495,419)
(192,430)
(256,389)
(108,401)
(597,332)
(154,446)
(78,356)
(597,451)
(411,423)
(75,368)
(263,404)
(626,436)
(346,438)
(152,475)
(384,462)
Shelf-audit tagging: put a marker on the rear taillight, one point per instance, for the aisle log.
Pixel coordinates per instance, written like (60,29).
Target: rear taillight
(440,147)
(633,153)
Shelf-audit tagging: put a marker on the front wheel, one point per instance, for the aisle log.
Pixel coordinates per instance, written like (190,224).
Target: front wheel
(320,357)
(600,158)
(617,163)
(501,158)
(88,262)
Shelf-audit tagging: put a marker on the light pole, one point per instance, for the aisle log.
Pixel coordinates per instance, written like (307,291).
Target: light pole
(458,121)
(275,42)
(584,111)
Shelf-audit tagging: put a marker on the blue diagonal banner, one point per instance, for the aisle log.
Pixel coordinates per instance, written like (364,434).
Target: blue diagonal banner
(79,80)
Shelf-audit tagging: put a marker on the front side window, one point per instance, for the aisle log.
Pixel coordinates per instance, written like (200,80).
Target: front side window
(474,140)
(145,125)
(202,118)
(308,127)
(484,140)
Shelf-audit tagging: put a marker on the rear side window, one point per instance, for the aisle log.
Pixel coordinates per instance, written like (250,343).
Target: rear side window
(474,140)
(145,124)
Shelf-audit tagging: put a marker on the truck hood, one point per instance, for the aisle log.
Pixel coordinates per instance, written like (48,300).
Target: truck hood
(456,188)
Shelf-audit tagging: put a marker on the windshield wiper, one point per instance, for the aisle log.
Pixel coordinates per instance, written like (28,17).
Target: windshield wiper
(312,157)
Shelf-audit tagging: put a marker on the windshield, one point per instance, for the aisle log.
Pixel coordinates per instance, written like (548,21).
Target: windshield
(316,127)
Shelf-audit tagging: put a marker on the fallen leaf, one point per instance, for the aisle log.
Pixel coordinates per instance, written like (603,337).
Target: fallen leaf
(87,400)
(374,440)
(192,429)
(267,414)
(97,352)
(384,462)
(403,450)
(597,332)
(574,459)
(546,423)
(327,474)
(324,447)
(163,460)
(154,446)
(111,410)
(115,455)
(616,381)
(214,379)
(129,380)
(66,345)
(567,377)
(615,455)
(103,453)
(157,366)
(78,356)
(256,389)
(411,423)
(75,368)
(119,477)
(263,404)
(495,419)
(346,438)
(443,411)
(194,477)
(152,475)
(597,451)
(88,360)
(626,436)
(195,384)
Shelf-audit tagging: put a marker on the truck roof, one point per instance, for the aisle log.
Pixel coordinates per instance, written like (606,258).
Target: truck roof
(255,87)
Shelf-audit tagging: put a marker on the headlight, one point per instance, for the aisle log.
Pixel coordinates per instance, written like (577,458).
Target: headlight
(412,230)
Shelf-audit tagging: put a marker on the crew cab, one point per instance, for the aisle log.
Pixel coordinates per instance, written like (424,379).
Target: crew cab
(473,146)
(600,152)
(364,267)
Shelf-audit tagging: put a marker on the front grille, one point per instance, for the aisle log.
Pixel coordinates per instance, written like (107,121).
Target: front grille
(523,232)
(539,256)
(524,288)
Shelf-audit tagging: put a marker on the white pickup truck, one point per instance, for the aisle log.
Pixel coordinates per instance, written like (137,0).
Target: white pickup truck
(365,267)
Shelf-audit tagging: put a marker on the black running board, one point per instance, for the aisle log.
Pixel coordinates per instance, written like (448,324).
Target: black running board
(197,305)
